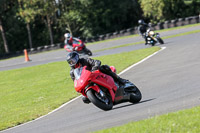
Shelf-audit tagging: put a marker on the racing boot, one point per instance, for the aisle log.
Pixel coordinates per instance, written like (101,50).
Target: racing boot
(106,69)
(118,79)
(85,100)
(121,80)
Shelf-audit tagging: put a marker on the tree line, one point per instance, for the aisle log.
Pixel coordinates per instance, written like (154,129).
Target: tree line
(32,23)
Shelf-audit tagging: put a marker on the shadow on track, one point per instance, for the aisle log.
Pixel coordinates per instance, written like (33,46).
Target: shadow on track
(134,103)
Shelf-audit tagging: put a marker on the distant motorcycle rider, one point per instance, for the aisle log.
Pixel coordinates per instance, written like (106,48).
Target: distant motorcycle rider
(69,41)
(74,62)
(142,29)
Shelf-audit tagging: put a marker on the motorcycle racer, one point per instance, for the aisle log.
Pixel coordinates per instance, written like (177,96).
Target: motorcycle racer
(142,29)
(74,62)
(69,41)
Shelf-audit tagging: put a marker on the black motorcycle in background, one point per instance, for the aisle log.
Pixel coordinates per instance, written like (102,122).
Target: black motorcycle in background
(152,38)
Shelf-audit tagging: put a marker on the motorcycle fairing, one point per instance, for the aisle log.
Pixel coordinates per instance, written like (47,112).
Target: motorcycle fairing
(94,87)
(121,95)
(81,78)
(84,77)
(68,48)
(105,81)
(78,44)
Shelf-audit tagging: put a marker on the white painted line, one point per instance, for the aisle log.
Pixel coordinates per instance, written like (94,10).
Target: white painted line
(162,48)
(59,107)
(43,115)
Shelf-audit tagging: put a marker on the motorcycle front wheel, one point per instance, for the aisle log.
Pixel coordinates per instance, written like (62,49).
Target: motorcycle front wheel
(160,41)
(88,52)
(105,103)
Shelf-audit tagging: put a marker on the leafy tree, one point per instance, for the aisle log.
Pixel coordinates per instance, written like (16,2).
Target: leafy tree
(48,10)
(161,10)
(153,9)
(3,36)
(4,7)
(192,8)
(92,17)
(173,9)
(28,10)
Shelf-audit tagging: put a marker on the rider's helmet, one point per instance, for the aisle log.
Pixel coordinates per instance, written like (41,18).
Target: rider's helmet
(67,35)
(140,22)
(72,58)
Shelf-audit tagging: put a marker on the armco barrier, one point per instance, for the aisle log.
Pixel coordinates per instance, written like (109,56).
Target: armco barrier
(180,21)
(166,24)
(173,23)
(125,32)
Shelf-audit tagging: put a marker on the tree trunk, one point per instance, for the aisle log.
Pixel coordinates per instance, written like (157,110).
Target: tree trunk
(4,37)
(50,30)
(29,35)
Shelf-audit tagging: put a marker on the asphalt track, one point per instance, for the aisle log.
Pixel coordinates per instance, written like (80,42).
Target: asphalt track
(169,81)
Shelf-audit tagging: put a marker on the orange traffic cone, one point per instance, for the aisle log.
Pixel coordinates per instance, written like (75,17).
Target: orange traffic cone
(26,55)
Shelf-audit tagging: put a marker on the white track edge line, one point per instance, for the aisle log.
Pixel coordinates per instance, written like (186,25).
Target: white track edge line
(162,48)
(42,116)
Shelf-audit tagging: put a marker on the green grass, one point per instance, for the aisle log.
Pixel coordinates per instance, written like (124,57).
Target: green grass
(123,45)
(182,34)
(185,121)
(30,92)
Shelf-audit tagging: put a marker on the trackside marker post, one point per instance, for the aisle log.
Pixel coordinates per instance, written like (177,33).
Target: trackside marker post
(26,55)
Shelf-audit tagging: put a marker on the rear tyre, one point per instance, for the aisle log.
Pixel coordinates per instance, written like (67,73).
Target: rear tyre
(99,101)
(136,95)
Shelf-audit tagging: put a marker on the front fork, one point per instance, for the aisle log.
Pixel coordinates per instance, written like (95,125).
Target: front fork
(98,90)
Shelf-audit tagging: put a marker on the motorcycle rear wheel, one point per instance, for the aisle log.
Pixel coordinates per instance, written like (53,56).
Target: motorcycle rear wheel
(136,95)
(92,96)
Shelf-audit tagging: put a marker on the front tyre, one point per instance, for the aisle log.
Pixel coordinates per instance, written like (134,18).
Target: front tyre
(136,95)
(88,52)
(160,41)
(104,103)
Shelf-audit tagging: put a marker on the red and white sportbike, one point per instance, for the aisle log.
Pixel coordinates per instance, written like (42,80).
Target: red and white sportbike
(79,46)
(101,89)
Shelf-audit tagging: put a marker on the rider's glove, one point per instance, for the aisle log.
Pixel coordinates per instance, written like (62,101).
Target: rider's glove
(94,68)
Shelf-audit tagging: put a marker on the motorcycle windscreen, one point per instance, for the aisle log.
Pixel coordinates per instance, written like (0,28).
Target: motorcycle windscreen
(81,76)
(77,73)
(76,42)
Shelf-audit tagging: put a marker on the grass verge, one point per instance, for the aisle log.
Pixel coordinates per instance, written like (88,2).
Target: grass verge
(31,92)
(182,34)
(166,37)
(185,121)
